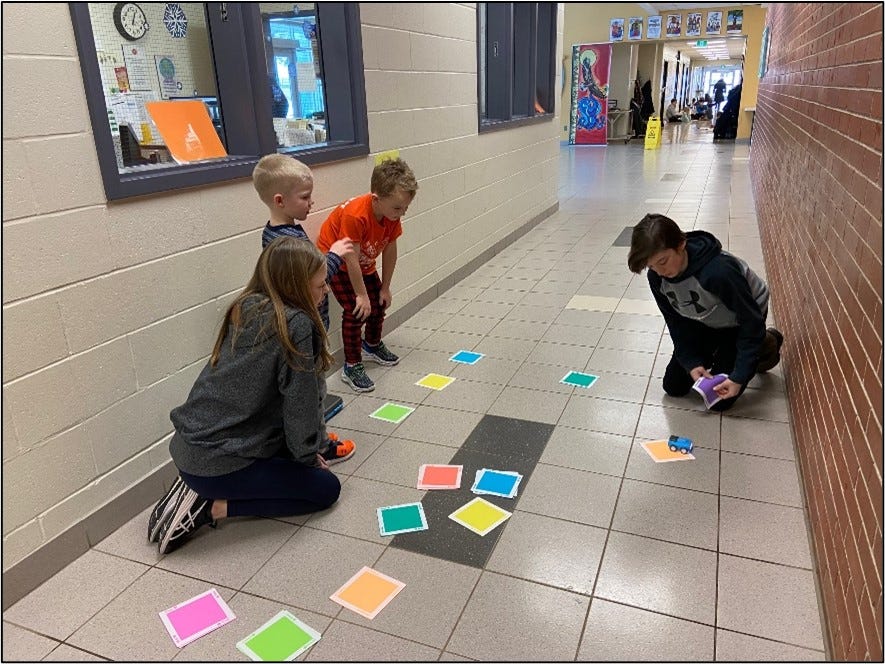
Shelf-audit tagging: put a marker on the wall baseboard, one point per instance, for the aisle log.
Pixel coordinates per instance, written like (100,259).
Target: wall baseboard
(52,557)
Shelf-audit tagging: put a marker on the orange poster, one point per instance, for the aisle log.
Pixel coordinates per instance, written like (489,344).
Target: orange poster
(186,129)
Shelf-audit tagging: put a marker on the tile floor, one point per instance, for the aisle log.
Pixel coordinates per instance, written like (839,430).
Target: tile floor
(607,556)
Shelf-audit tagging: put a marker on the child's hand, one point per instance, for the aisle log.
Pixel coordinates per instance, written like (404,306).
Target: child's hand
(363,307)
(342,247)
(321,462)
(385,298)
(699,372)
(728,389)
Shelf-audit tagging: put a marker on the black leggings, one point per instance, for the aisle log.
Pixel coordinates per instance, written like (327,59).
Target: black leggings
(270,487)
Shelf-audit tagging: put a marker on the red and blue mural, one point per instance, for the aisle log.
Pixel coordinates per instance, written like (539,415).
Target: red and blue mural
(589,112)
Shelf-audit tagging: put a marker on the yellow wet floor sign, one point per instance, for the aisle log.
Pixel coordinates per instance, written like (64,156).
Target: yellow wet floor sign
(653,133)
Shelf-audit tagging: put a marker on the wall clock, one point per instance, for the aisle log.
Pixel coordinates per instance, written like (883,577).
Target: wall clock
(175,20)
(130,21)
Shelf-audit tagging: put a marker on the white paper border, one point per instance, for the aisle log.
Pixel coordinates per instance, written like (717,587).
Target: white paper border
(439,487)
(504,516)
(176,639)
(423,525)
(436,375)
(336,597)
(482,472)
(480,356)
(390,403)
(251,654)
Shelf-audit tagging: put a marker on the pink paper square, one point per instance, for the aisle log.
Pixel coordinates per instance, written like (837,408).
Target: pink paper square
(196,617)
(432,476)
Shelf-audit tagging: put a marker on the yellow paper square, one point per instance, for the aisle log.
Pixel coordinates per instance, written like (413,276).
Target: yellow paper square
(659,450)
(480,516)
(435,381)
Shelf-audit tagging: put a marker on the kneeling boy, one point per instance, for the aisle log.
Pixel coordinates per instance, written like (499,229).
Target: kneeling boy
(714,305)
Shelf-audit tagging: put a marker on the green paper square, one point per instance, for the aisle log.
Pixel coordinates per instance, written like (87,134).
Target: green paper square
(579,379)
(392,412)
(401,519)
(280,640)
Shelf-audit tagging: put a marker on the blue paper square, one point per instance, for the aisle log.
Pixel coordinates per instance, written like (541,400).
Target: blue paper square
(466,357)
(496,483)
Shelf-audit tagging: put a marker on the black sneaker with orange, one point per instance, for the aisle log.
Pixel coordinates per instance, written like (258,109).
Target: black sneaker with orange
(338,450)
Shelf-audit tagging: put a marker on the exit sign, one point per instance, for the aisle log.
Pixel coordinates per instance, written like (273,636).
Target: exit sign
(701,42)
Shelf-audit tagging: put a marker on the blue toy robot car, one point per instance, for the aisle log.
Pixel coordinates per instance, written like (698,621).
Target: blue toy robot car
(680,444)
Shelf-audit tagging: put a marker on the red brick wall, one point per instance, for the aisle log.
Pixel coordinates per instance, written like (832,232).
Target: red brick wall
(816,165)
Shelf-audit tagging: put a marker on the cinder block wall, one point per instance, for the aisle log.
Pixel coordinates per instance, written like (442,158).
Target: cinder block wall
(110,309)
(816,163)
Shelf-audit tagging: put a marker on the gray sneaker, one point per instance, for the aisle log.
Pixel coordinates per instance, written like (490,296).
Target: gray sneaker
(163,509)
(379,354)
(356,377)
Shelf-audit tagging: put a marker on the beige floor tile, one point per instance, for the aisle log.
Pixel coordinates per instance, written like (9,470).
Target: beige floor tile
(734,647)
(344,641)
(20,645)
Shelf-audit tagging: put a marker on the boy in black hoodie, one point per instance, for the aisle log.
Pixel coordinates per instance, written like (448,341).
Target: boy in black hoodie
(714,305)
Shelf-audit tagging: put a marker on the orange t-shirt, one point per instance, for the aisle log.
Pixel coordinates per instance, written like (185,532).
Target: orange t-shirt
(355,219)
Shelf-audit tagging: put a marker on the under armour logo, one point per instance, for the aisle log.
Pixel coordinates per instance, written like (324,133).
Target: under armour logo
(695,298)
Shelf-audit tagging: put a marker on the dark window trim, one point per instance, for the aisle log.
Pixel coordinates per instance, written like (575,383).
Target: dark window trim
(500,92)
(248,126)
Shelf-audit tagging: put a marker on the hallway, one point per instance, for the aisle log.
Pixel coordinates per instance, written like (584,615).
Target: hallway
(607,555)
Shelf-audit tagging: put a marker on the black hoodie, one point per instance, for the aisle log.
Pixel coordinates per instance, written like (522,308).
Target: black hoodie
(718,290)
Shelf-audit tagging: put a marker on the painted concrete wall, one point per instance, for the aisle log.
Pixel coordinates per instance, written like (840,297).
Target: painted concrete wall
(110,309)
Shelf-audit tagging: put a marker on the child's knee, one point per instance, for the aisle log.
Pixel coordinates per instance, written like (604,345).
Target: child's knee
(330,490)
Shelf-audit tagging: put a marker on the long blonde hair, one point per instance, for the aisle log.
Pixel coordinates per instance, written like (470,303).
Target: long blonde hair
(281,279)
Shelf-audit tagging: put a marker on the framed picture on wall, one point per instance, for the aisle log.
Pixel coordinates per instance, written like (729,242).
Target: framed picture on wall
(674,25)
(735,25)
(714,23)
(693,25)
(763,56)
(654,27)
(616,32)
(634,27)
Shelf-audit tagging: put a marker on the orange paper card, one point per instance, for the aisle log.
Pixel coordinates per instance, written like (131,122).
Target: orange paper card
(186,129)
(367,592)
(432,476)
(660,452)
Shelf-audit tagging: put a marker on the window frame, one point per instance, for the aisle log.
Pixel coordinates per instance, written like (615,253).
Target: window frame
(506,94)
(236,45)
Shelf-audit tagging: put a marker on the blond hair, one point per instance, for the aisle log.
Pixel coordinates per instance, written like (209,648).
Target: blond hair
(392,174)
(277,174)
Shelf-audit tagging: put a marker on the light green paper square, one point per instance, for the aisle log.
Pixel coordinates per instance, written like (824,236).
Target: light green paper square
(392,412)
(281,639)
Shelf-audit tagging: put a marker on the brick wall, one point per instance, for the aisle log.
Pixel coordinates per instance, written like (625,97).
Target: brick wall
(816,163)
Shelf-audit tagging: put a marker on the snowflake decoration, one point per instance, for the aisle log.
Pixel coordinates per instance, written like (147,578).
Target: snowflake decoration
(175,20)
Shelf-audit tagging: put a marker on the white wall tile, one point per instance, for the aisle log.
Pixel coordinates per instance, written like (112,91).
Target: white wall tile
(33,336)
(10,436)
(64,172)
(66,458)
(32,266)
(56,106)
(58,397)
(25,29)
(21,542)
(19,193)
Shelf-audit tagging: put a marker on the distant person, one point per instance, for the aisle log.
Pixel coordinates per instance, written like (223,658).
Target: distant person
(673,113)
(714,305)
(279,104)
(719,93)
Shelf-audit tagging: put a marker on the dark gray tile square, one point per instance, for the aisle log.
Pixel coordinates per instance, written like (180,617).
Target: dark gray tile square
(623,239)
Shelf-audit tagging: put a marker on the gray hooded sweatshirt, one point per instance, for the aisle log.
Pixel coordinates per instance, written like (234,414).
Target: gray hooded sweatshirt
(253,404)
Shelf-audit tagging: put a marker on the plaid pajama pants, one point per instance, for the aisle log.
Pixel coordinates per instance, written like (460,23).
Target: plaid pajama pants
(351,328)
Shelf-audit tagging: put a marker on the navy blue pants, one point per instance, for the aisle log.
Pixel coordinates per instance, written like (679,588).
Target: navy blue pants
(270,487)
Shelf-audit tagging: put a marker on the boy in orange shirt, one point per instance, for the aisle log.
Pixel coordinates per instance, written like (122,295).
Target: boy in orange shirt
(372,222)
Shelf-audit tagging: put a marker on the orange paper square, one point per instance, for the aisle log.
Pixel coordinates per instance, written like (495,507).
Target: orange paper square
(439,477)
(367,592)
(660,452)
(186,129)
